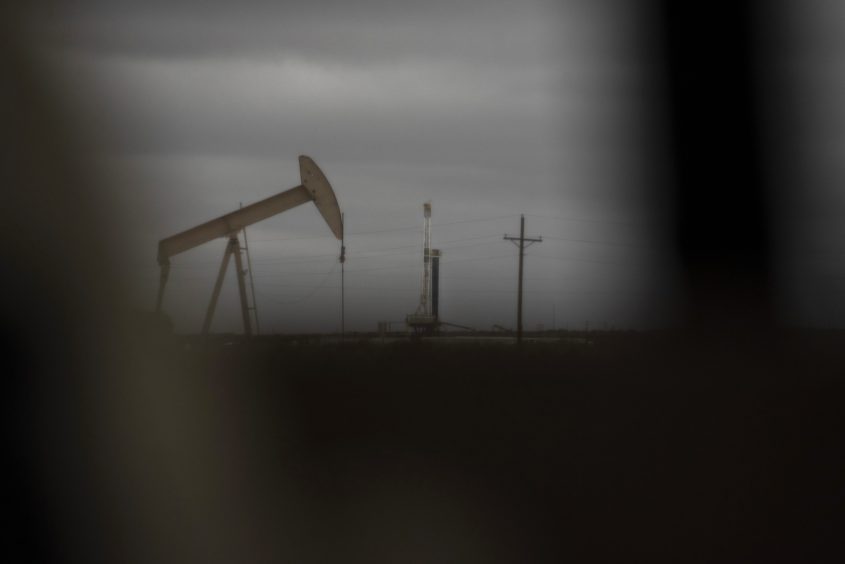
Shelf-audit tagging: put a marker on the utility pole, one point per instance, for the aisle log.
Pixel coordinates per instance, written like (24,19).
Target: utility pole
(521,243)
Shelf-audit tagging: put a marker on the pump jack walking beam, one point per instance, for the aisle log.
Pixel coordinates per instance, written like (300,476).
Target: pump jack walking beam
(314,188)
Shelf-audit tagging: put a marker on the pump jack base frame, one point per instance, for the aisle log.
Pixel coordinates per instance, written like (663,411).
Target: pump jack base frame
(233,247)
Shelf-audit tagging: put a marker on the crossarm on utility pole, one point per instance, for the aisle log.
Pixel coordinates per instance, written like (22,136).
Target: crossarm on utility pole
(232,222)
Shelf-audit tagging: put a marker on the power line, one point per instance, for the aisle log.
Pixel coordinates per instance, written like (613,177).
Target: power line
(583,220)
(575,259)
(374,253)
(378,252)
(592,242)
(314,290)
(387,230)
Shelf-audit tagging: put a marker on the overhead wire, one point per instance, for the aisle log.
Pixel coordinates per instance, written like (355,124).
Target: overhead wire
(389,230)
(577,259)
(583,220)
(377,252)
(385,252)
(315,289)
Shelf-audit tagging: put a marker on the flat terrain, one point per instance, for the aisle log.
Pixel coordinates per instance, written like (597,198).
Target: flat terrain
(633,448)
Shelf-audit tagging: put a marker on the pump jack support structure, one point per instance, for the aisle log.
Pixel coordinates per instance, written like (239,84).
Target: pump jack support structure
(314,188)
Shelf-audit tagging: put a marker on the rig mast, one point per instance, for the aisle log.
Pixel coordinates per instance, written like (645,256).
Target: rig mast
(424,321)
(425,303)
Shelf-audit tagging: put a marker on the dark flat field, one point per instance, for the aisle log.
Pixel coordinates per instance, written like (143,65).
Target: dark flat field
(633,448)
(636,448)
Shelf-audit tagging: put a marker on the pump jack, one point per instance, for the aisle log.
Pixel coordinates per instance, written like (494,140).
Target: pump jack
(314,188)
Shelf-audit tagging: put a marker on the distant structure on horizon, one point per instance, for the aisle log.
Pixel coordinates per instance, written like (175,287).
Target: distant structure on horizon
(425,320)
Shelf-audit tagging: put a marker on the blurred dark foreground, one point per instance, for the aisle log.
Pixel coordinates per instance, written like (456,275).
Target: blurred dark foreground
(649,447)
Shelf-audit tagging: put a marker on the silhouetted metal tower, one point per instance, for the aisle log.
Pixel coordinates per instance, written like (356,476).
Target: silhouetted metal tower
(425,303)
(435,283)
(521,243)
(424,321)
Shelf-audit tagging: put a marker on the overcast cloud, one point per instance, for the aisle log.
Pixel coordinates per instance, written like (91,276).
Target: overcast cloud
(486,109)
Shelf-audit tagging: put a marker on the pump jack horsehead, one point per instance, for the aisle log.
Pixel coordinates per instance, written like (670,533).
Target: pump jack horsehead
(314,188)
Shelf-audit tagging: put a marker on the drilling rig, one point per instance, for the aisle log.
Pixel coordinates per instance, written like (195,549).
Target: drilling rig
(425,320)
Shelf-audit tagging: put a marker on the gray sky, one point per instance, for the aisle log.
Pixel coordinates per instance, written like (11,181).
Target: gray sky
(487,109)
